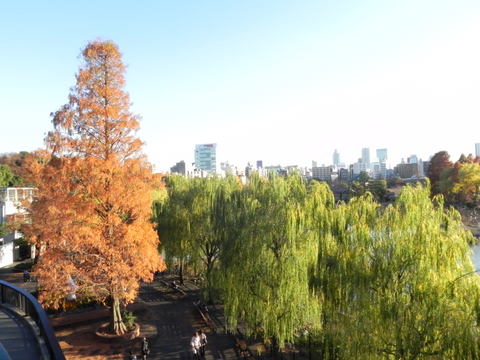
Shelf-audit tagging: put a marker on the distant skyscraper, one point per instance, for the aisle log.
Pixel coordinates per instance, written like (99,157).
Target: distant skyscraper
(179,168)
(413,159)
(322,173)
(206,157)
(477,149)
(382,155)
(366,158)
(259,164)
(336,158)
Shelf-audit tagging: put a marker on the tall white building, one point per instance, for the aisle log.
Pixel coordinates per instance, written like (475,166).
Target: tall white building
(477,149)
(382,155)
(366,158)
(421,168)
(206,157)
(380,168)
(336,159)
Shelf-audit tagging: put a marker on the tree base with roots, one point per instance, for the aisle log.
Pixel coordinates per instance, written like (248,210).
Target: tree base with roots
(103,334)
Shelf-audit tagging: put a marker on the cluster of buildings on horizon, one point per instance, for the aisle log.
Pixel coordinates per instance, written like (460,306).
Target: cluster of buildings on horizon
(206,163)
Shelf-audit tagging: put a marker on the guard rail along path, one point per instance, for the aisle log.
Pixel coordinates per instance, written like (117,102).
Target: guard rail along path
(25,304)
(206,318)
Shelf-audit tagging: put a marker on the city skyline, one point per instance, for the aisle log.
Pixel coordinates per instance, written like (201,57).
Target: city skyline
(380,154)
(275,81)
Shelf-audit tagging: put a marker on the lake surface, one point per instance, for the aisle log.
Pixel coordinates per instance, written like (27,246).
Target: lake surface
(476,256)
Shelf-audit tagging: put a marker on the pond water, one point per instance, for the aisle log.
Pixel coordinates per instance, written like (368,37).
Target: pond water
(476,256)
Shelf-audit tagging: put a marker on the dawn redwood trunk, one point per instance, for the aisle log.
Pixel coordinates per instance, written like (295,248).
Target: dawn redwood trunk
(116,324)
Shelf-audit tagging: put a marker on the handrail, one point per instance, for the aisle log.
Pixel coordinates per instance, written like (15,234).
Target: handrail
(23,300)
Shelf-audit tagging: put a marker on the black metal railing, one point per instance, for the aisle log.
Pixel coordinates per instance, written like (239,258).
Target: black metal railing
(26,302)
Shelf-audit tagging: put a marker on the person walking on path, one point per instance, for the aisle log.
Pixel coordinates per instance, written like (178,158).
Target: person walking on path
(203,342)
(26,275)
(196,345)
(132,356)
(145,349)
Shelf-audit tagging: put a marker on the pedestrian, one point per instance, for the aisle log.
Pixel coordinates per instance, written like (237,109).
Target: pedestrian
(195,344)
(203,342)
(26,275)
(145,349)
(132,356)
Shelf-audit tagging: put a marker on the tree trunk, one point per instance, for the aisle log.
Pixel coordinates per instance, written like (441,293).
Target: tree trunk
(116,325)
(180,272)
(208,283)
(37,254)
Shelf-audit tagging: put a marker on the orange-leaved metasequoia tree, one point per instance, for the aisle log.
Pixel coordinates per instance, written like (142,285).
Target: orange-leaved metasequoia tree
(90,219)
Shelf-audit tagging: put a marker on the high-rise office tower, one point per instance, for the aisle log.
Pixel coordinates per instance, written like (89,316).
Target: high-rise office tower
(366,158)
(336,158)
(477,149)
(206,157)
(382,155)
(413,159)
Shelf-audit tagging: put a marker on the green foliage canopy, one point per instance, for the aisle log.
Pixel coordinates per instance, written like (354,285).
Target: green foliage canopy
(361,280)
(392,282)
(7,178)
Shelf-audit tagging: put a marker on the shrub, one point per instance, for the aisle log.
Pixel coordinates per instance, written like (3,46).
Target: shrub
(128,319)
(23,266)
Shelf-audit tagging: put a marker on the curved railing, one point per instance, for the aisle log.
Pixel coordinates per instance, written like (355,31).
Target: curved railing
(26,302)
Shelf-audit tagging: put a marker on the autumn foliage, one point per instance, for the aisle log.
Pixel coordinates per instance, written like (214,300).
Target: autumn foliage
(91,219)
(439,162)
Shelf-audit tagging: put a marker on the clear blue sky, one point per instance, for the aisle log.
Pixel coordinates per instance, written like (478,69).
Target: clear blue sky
(286,82)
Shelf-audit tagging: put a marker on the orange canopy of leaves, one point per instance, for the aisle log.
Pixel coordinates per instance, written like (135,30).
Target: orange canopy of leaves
(91,218)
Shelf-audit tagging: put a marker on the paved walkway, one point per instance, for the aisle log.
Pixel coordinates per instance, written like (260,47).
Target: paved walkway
(17,338)
(168,322)
(174,319)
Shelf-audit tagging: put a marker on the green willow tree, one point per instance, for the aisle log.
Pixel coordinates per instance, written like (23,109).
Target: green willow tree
(173,221)
(398,283)
(223,211)
(204,242)
(192,221)
(266,262)
(359,280)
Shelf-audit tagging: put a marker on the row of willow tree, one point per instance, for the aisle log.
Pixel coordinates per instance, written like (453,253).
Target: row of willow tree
(355,280)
